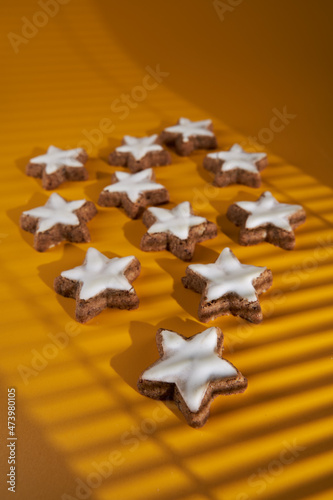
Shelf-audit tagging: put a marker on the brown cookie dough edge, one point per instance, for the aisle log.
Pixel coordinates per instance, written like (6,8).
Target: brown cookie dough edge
(151,159)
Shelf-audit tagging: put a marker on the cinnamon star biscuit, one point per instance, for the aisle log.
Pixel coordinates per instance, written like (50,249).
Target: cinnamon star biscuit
(58,220)
(186,136)
(58,165)
(133,192)
(266,220)
(228,287)
(139,153)
(191,372)
(177,230)
(100,283)
(236,166)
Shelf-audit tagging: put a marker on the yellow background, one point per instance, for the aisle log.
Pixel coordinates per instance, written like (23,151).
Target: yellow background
(83,405)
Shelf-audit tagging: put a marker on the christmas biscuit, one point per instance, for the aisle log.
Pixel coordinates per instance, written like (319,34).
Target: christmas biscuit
(186,136)
(236,166)
(133,192)
(228,287)
(138,153)
(191,372)
(58,220)
(177,230)
(266,220)
(58,165)
(100,283)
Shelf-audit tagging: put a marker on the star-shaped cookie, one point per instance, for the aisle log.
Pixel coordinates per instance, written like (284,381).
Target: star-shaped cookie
(138,153)
(133,192)
(58,165)
(266,220)
(177,230)
(186,136)
(236,166)
(192,372)
(100,283)
(58,220)
(228,287)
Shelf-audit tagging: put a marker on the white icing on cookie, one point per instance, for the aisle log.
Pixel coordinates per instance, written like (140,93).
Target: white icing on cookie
(56,158)
(134,184)
(267,210)
(190,364)
(99,273)
(188,129)
(56,211)
(236,157)
(139,146)
(177,221)
(228,275)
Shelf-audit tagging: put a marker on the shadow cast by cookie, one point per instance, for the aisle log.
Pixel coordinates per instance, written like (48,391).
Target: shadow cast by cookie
(162,125)
(134,230)
(187,299)
(22,162)
(203,173)
(221,206)
(93,190)
(72,257)
(104,153)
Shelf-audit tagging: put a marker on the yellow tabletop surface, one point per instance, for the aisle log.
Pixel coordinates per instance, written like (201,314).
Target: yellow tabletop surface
(82,428)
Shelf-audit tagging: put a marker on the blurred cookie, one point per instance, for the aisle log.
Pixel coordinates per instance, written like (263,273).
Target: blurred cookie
(177,230)
(58,165)
(133,192)
(58,220)
(236,166)
(139,153)
(191,372)
(228,287)
(266,220)
(186,136)
(100,283)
